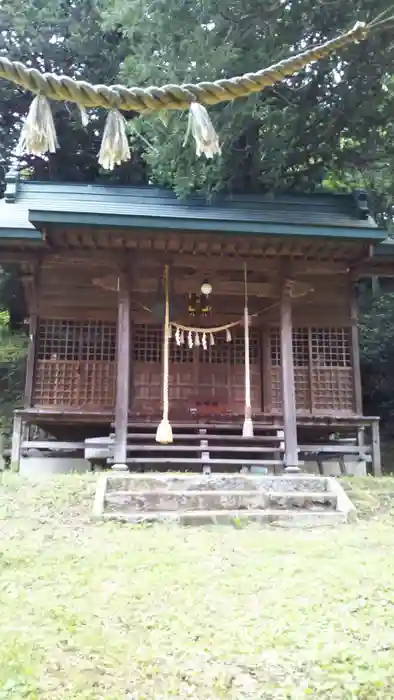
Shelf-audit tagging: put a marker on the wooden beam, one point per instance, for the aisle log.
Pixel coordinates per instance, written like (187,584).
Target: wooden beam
(358,396)
(155,258)
(288,386)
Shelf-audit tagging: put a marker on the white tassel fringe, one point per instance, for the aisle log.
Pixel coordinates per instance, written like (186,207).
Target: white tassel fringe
(164,432)
(38,135)
(203,131)
(247,430)
(114,146)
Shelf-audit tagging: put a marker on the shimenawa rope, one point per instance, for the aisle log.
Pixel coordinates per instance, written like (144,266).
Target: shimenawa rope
(164,430)
(39,137)
(247,430)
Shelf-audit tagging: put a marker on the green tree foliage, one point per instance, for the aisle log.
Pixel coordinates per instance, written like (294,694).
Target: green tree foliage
(60,36)
(377,342)
(13,347)
(332,117)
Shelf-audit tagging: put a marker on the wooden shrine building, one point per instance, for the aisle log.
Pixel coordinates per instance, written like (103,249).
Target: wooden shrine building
(91,260)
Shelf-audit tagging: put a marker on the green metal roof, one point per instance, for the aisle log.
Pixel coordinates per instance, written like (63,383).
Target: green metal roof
(28,206)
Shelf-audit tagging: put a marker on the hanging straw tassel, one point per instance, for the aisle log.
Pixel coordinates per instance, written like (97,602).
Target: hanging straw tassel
(204,341)
(247,430)
(164,430)
(228,335)
(38,135)
(190,339)
(114,146)
(197,340)
(203,131)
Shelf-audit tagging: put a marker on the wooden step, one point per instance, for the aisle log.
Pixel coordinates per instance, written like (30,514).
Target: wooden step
(206,436)
(216,425)
(199,448)
(206,461)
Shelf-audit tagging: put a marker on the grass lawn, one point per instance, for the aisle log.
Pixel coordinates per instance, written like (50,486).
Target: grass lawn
(93,611)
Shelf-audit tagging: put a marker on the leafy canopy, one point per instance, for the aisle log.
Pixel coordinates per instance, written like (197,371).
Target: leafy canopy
(333,117)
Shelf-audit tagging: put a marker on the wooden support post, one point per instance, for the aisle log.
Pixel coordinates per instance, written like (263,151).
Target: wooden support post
(358,396)
(288,388)
(33,326)
(376,456)
(122,375)
(16,443)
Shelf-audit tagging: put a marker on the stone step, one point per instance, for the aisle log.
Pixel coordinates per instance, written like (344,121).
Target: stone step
(216,500)
(177,481)
(233,517)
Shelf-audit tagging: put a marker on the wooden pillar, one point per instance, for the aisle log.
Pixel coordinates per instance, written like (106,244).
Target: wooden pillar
(288,388)
(33,326)
(358,396)
(16,443)
(122,375)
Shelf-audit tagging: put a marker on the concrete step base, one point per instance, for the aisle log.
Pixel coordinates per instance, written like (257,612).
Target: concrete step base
(216,500)
(222,498)
(236,518)
(176,481)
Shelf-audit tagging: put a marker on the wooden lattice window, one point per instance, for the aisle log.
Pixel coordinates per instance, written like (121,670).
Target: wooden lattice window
(214,378)
(148,346)
(233,352)
(75,363)
(323,373)
(147,343)
(332,374)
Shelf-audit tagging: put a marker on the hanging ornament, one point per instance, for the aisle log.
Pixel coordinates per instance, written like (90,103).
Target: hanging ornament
(204,341)
(115,147)
(197,340)
(190,339)
(182,338)
(203,132)
(211,339)
(228,335)
(178,336)
(38,135)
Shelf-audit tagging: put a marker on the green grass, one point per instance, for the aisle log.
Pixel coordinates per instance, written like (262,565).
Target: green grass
(93,611)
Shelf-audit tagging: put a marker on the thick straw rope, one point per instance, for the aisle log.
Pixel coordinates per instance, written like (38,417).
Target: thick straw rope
(164,430)
(150,99)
